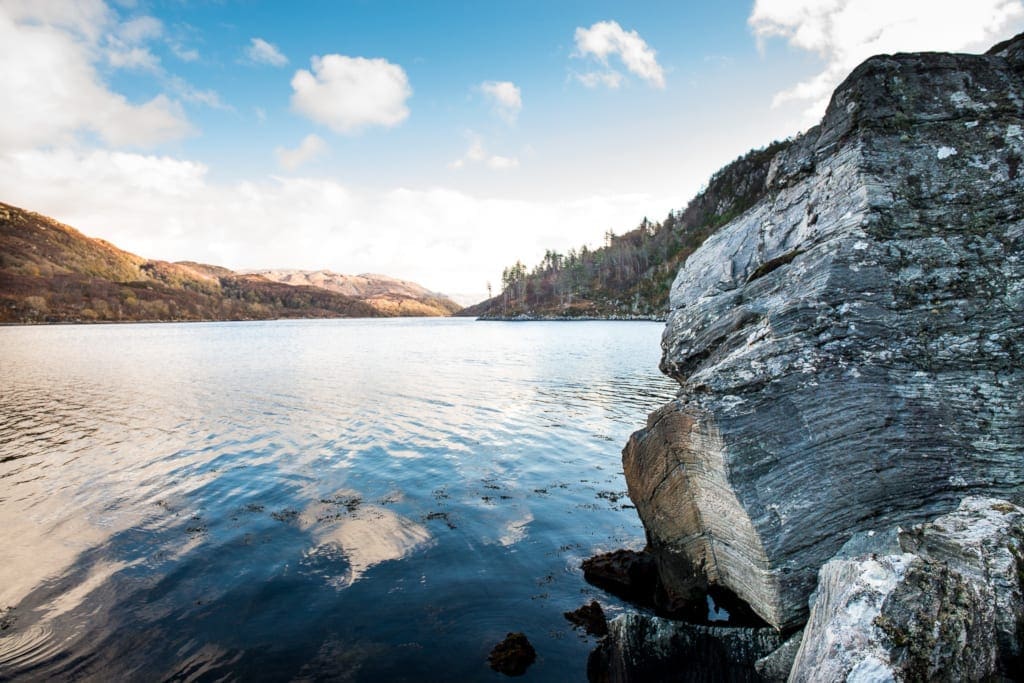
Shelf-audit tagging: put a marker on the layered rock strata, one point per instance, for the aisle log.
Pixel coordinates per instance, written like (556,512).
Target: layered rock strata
(849,349)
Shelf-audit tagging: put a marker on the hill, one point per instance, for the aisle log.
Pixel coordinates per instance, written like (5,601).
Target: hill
(631,275)
(50,272)
(390,296)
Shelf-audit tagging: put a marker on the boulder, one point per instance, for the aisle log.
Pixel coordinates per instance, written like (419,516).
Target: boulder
(945,606)
(850,350)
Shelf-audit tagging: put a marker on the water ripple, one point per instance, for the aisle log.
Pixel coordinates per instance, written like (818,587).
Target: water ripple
(309,499)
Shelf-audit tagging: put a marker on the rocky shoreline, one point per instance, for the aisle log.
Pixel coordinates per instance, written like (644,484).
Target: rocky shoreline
(522,317)
(846,453)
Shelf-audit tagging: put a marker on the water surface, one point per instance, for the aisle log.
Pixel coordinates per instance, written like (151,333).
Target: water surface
(311,500)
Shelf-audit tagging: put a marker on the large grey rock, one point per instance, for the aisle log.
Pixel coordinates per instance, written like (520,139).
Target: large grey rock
(849,350)
(948,607)
(644,648)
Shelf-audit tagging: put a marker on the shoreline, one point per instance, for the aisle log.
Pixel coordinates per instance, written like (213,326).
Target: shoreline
(520,318)
(523,318)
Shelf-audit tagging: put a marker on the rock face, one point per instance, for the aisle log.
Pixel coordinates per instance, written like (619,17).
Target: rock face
(945,604)
(850,348)
(640,647)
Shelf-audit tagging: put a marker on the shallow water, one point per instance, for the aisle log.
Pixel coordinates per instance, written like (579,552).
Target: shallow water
(316,500)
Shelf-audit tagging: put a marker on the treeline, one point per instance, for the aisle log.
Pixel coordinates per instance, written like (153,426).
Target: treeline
(631,274)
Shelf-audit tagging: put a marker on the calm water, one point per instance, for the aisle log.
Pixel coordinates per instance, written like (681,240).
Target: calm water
(314,500)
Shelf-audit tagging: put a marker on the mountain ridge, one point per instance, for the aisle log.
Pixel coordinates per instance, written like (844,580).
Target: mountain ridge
(52,272)
(386,293)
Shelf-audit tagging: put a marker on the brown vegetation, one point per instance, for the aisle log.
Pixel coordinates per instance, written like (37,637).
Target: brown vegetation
(50,272)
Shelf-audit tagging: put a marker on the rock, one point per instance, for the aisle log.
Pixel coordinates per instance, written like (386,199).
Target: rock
(628,574)
(513,655)
(775,666)
(948,607)
(850,349)
(591,618)
(644,648)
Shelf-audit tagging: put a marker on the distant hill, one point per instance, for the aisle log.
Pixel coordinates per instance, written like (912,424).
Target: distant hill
(50,272)
(388,295)
(632,273)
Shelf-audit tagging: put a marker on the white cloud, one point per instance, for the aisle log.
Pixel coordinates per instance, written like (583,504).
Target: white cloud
(262,52)
(310,147)
(124,46)
(59,92)
(87,19)
(506,96)
(167,208)
(610,78)
(139,30)
(137,58)
(846,32)
(183,53)
(189,93)
(606,38)
(349,93)
(477,154)
(500,162)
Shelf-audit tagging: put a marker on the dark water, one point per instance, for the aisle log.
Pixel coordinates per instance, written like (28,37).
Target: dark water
(312,500)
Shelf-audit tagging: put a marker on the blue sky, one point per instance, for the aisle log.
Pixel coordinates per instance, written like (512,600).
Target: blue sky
(435,141)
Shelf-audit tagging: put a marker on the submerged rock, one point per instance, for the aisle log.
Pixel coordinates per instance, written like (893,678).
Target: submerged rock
(629,574)
(850,349)
(513,655)
(644,648)
(948,607)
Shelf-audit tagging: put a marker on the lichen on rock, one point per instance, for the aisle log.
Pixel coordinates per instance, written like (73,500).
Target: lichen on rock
(947,605)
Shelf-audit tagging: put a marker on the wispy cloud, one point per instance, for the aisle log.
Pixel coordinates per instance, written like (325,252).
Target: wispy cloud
(190,93)
(506,97)
(262,52)
(610,79)
(477,154)
(607,38)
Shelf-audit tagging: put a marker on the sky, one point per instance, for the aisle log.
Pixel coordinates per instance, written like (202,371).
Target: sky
(432,141)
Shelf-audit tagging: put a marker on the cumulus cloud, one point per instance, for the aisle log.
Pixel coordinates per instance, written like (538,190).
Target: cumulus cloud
(347,94)
(262,52)
(160,207)
(506,97)
(477,154)
(310,148)
(846,32)
(59,92)
(606,38)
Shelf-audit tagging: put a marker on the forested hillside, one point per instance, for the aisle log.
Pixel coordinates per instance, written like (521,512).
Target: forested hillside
(631,274)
